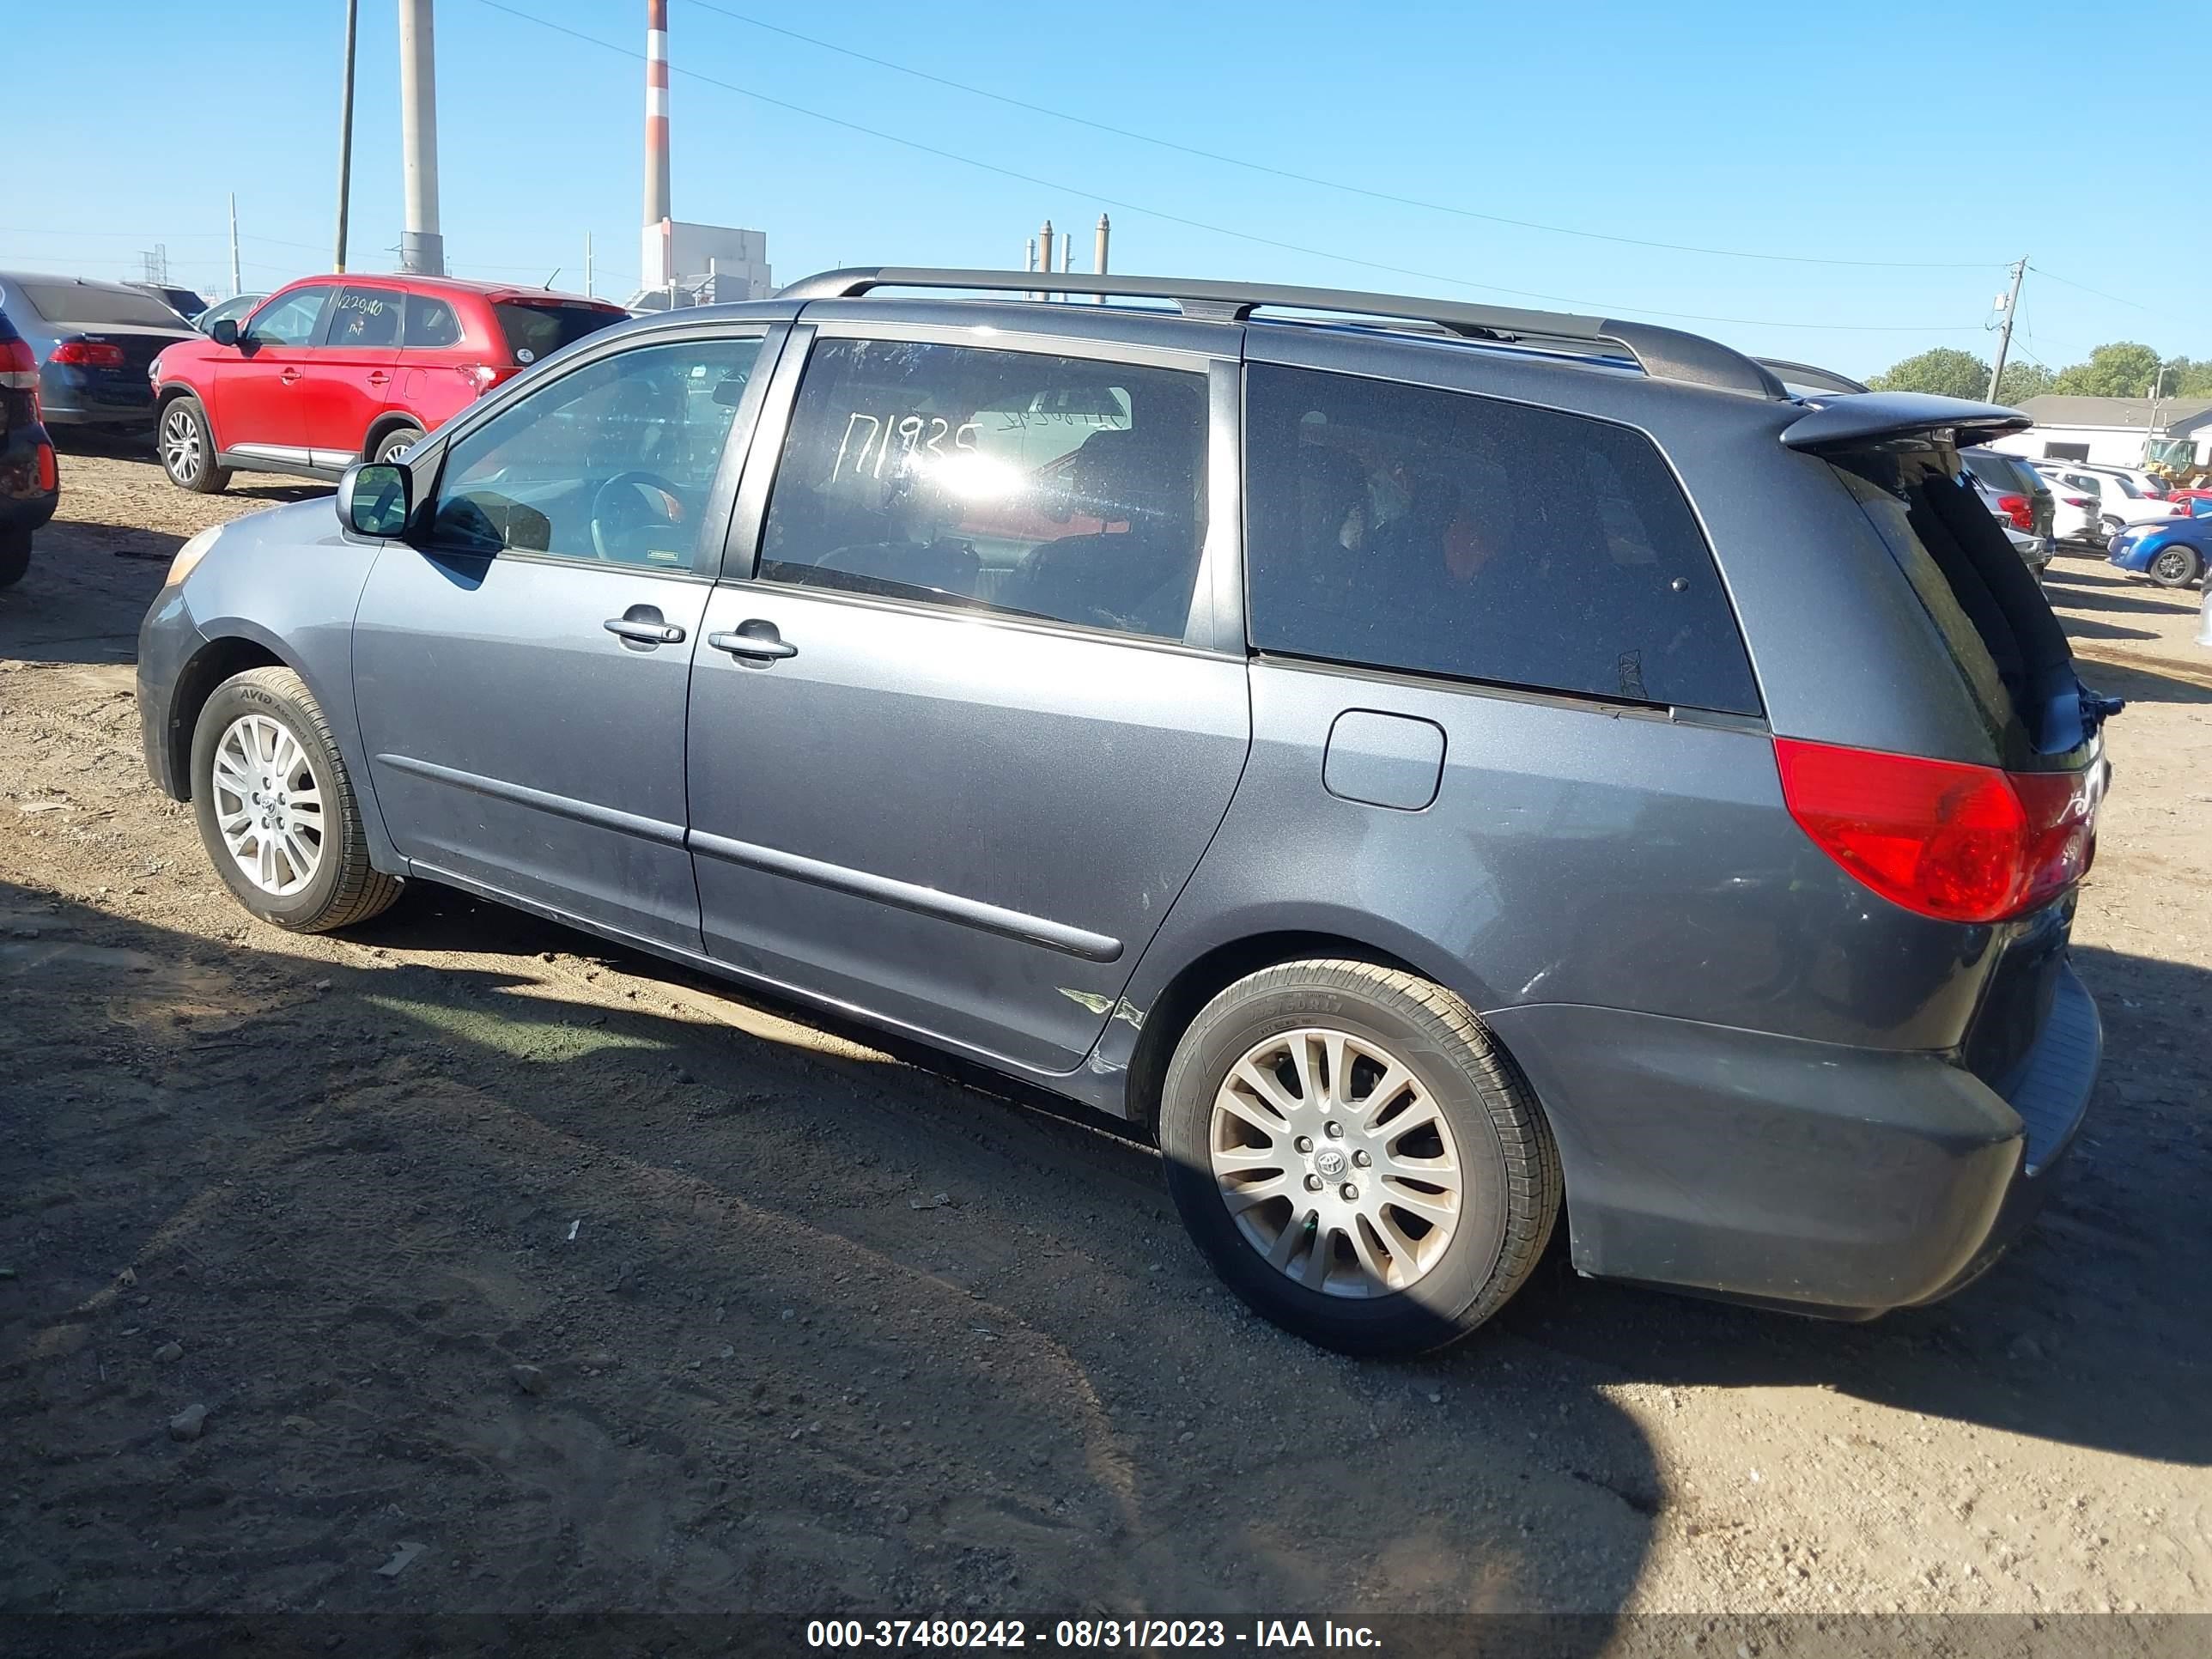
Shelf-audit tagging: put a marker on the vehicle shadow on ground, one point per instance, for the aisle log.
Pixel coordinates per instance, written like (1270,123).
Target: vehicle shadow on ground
(2075,1317)
(2136,682)
(2113,598)
(796,1332)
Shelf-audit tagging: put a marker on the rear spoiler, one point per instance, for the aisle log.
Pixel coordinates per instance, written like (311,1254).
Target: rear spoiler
(1855,420)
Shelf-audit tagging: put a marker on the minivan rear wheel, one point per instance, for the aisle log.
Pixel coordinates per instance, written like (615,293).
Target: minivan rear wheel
(277,810)
(1357,1156)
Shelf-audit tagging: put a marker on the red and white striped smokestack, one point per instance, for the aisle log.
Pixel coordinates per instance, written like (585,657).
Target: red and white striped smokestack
(656,273)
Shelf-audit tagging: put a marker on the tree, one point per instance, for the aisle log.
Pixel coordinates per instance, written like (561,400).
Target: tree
(2189,377)
(1946,372)
(2121,369)
(2023,382)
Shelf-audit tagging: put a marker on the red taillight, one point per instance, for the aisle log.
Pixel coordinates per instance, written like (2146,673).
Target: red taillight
(2019,509)
(485,376)
(19,366)
(1958,842)
(2077,500)
(87,354)
(49,474)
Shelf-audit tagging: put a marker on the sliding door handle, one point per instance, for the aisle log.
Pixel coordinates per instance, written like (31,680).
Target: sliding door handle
(755,638)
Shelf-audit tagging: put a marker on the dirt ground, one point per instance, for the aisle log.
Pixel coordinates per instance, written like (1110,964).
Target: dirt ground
(607,1289)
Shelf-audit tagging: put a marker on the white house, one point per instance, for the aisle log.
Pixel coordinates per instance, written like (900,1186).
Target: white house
(2116,431)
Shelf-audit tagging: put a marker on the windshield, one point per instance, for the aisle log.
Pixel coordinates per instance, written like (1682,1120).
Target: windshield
(535,331)
(81,302)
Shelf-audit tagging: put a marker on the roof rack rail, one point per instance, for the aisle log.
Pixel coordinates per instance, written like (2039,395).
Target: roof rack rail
(1812,379)
(1665,354)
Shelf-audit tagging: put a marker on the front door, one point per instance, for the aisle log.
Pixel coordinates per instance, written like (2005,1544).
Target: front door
(521,675)
(353,381)
(957,748)
(260,387)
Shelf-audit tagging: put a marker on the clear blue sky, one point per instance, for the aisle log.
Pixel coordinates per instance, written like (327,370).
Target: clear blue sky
(1909,133)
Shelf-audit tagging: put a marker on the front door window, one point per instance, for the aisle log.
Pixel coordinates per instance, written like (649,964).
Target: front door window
(611,463)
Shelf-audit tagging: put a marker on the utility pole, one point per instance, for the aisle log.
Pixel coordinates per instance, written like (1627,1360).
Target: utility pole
(237,287)
(2005,335)
(345,152)
(421,249)
(589,292)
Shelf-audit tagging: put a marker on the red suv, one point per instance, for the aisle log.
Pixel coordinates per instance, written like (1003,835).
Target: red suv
(333,370)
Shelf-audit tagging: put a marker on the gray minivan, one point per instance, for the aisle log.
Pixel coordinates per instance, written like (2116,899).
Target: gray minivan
(1433,766)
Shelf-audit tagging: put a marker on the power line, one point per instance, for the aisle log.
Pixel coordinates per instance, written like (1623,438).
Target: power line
(2136,304)
(1332,184)
(1222,230)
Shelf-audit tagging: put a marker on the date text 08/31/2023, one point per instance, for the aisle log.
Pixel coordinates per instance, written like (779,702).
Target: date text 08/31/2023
(1087,1634)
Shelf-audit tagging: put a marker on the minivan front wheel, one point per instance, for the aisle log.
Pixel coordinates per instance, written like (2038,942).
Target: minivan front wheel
(277,808)
(1355,1156)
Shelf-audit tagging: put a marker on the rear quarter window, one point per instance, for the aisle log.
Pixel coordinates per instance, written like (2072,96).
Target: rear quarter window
(1442,532)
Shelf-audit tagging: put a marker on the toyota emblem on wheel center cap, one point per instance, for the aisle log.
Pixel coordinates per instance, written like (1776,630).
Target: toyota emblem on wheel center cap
(1331,1163)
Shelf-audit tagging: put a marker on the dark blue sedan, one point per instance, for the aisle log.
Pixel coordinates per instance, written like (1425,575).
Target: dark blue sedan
(2173,552)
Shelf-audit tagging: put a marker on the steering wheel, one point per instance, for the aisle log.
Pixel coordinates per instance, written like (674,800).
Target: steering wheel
(621,514)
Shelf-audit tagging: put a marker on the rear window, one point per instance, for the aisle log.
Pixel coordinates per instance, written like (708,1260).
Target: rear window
(535,331)
(1982,598)
(2001,474)
(1437,533)
(73,302)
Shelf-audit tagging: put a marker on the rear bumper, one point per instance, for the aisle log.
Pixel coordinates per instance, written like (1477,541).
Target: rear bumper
(1833,1181)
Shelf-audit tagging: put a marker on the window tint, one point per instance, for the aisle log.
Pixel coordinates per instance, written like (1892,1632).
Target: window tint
(1040,486)
(1983,599)
(365,316)
(612,462)
(86,302)
(1439,533)
(291,320)
(536,330)
(431,322)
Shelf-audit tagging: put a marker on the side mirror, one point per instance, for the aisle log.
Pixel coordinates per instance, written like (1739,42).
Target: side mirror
(374,498)
(225,332)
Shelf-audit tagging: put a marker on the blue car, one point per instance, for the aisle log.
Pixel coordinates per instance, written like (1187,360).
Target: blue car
(2173,553)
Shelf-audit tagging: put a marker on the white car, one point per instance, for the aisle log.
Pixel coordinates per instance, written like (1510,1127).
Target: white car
(2124,495)
(2076,509)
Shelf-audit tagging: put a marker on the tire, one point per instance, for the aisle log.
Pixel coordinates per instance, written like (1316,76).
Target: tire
(186,447)
(2176,566)
(2112,527)
(394,441)
(1437,1285)
(335,887)
(14,556)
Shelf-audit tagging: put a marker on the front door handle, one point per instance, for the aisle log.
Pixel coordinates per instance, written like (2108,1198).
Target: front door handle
(645,630)
(756,639)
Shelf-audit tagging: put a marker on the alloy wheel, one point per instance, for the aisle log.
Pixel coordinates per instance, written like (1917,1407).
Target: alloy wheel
(267,806)
(1335,1163)
(181,445)
(2171,566)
